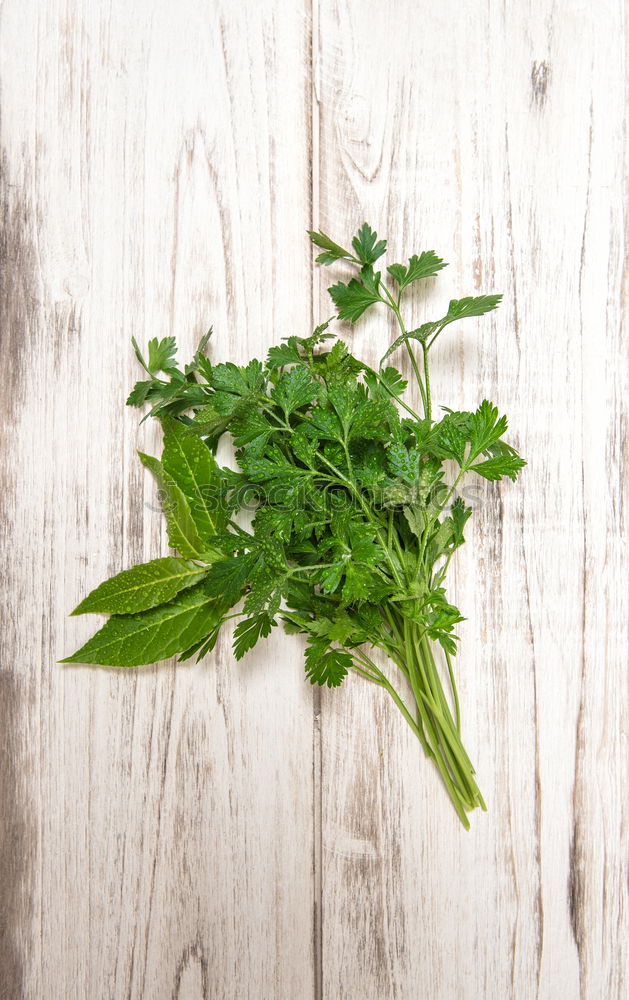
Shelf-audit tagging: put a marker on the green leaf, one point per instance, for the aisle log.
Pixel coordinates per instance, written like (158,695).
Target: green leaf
(325,665)
(208,422)
(227,577)
(161,632)
(392,382)
(403,462)
(240,382)
(501,465)
(142,587)
(182,533)
(367,246)
(161,354)
(331,577)
(352,299)
(476,306)
(370,420)
(416,520)
(248,631)
(284,354)
(421,334)
(190,463)
(294,389)
(426,265)
(359,581)
(486,428)
(460,515)
(331,250)
(140,393)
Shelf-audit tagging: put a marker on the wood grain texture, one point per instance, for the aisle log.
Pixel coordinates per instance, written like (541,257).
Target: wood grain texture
(152,156)
(199,831)
(495,136)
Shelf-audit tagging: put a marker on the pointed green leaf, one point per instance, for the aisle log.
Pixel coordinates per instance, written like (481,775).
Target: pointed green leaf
(248,631)
(133,640)
(501,465)
(325,665)
(474,306)
(182,534)
(424,265)
(295,389)
(331,250)
(486,428)
(190,463)
(367,246)
(142,587)
(352,299)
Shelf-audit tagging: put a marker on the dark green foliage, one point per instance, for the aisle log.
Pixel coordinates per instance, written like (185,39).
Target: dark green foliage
(354,523)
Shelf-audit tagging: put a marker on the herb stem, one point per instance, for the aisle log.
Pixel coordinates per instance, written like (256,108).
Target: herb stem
(427,385)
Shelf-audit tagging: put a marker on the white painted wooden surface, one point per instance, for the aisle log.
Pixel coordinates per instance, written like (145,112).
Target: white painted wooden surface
(219,830)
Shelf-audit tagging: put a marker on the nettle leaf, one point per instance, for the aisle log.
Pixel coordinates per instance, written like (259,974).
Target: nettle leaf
(182,533)
(265,595)
(475,306)
(352,299)
(424,265)
(324,665)
(501,465)
(227,577)
(142,587)
(190,463)
(249,631)
(367,246)
(331,250)
(156,634)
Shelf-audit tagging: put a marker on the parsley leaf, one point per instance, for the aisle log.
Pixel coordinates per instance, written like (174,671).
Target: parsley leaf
(424,265)
(353,299)
(478,306)
(367,245)
(249,631)
(326,666)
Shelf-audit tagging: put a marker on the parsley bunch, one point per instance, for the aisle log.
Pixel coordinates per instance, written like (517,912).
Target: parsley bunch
(354,521)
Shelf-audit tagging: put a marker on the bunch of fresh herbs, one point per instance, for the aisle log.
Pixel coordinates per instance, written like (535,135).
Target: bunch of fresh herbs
(354,521)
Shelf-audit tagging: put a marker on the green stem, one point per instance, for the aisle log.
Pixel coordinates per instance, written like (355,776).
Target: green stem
(427,385)
(455,693)
(395,309)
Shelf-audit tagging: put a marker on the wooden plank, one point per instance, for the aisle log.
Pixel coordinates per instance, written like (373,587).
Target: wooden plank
(156,824)
(494,135)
